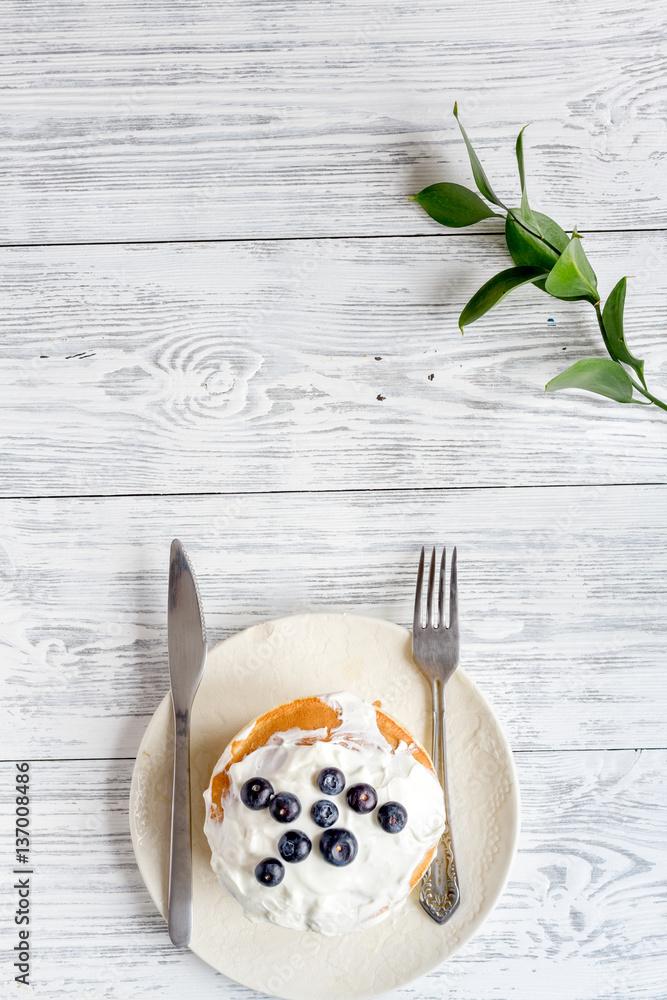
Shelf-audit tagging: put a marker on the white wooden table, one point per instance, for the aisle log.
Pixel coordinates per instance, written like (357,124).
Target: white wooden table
(223,320)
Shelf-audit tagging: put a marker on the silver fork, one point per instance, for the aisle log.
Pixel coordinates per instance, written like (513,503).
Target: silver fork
(435,650)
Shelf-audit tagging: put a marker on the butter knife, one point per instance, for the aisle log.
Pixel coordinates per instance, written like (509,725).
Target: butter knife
(187,656)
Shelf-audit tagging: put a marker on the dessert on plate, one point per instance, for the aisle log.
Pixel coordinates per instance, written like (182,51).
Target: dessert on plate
(323,814)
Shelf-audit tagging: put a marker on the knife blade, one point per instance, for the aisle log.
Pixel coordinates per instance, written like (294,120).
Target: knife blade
(186,634)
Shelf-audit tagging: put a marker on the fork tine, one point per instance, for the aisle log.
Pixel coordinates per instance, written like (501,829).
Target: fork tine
(453,594)
(441,591)
(429,594)
(417,617)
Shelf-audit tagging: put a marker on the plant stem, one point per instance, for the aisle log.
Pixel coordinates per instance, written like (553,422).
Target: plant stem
(642,389)
(649,395)
(598,313)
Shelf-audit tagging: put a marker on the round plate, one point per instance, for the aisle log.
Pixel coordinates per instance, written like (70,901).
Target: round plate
(313,654)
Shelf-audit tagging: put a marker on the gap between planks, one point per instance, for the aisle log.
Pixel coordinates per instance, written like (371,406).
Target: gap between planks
(348,489)
(532,750)
(314,236)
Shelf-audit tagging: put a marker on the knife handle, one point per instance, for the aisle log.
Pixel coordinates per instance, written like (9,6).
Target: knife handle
(180,862)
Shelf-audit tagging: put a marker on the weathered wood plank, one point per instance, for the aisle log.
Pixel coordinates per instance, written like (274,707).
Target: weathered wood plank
(563,594)
(583,914)
(311,365)
(126,121)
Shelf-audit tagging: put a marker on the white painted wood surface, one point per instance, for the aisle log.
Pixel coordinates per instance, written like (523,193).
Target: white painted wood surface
(307,365)
(225,390)
(127,121)
(562,610)
(583,914)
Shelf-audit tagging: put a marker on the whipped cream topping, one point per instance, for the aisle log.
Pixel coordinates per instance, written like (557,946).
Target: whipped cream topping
(315,895)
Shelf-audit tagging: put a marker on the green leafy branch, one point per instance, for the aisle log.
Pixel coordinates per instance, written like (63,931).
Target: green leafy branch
(544,256)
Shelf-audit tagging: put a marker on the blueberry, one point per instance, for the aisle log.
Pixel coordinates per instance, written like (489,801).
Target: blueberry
(270,871)
(362,798)
(338,847)
(285,807)
(294,846)
(392,817)
(331,781)
(256,793)
(324,813)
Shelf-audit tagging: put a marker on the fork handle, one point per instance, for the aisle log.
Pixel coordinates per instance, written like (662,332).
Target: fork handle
(439,893)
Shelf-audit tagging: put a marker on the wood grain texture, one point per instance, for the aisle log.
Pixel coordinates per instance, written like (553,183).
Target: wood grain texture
(279,361)
(562,601)
(312,365)
(126,121)
(583,914)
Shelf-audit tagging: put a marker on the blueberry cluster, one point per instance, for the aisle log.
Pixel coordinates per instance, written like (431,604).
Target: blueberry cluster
(337,846)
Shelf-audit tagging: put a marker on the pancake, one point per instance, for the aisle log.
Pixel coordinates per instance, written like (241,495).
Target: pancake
(279,759)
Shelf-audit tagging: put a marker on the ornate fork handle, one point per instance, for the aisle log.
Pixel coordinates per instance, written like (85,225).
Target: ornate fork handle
(439,893)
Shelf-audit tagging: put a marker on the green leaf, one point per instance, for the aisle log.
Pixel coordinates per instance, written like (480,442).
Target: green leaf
(495,290)
(536,251)
(600,375)
(572,276)
(526,213)
(552,232)
(453,205)
(481,180)
(612,320)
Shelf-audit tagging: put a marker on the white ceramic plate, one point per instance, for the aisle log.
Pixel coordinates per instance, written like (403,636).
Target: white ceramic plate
(312,654)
